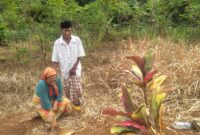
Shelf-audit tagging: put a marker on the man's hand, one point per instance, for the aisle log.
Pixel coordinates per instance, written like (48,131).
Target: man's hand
(73,71)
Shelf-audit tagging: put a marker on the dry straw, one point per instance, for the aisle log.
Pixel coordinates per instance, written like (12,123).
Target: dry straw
(102,77)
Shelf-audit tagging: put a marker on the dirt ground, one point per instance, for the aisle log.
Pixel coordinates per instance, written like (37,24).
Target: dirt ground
(17,125)
(101,89)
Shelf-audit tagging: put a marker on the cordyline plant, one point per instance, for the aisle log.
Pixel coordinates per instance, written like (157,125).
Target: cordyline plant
(147,118)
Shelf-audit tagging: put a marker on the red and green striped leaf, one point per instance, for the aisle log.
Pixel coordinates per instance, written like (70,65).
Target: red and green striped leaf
(126,100)
(139,61)
(149,76)
(133,124)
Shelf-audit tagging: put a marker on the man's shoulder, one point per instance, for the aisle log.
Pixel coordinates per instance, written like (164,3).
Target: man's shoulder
(75,37)
(57,41)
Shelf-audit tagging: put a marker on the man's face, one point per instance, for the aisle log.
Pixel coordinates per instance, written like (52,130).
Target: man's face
(66,33)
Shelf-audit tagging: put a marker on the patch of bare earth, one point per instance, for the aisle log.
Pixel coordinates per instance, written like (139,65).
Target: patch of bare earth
(102,78)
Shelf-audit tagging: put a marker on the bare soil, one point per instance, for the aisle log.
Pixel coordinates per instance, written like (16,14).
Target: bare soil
(101,78)
(16,125)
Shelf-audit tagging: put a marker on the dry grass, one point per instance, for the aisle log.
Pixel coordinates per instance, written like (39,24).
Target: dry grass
(16,89)
(103,76)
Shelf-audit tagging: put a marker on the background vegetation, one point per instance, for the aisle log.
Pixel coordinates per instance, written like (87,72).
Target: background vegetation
(170,27)
(95,21)
(98,20)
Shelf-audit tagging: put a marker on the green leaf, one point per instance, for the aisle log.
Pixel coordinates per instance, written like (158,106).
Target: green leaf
(140,116)
(132,124)
(122,118)
(156,82)
(160,97)
(156,102)
(120,130)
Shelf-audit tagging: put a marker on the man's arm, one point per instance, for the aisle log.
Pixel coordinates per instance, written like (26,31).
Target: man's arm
(73,70)
(54,58)
(81,53)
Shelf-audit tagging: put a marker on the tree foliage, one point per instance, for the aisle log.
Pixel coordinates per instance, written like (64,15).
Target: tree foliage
(95,19)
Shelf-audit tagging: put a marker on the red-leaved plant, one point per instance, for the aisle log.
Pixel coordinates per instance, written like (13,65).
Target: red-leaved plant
(147,118)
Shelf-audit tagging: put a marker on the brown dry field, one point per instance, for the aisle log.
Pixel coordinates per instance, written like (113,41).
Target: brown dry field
(102,78)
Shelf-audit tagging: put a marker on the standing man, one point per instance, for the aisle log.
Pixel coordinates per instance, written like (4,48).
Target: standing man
(67,53)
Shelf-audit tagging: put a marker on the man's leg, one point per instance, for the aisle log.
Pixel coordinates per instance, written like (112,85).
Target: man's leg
(75,90)
(67,88)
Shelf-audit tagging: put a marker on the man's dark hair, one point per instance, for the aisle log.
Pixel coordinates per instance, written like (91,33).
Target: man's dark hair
(65,24)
